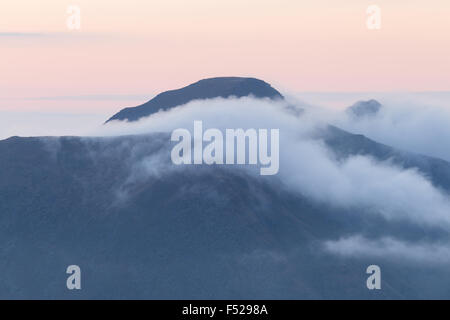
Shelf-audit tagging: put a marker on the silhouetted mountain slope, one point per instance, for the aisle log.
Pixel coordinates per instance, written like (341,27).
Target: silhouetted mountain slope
(140,227)
(204,89)
(346,144)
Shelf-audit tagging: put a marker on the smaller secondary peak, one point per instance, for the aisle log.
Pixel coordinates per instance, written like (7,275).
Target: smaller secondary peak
(364,108)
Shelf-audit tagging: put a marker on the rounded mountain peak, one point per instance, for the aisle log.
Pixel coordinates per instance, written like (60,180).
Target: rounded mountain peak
(223,87)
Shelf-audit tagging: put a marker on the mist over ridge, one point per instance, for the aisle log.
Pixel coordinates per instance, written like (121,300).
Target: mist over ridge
(340,201)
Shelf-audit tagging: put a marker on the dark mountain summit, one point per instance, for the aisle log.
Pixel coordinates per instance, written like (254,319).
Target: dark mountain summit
(204,89)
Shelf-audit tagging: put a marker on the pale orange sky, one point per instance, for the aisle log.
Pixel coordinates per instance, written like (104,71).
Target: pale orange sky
(143,47)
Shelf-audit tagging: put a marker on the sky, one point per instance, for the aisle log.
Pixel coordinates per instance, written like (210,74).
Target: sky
(127,51)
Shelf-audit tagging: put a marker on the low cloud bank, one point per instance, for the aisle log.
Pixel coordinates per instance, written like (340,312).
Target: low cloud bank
(421,128)
(358,183)
(391,249)
(26,124)
(306,165)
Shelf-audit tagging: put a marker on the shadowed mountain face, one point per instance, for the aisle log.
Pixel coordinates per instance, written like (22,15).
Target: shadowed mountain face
(204,89)
(345,144)
(140,227)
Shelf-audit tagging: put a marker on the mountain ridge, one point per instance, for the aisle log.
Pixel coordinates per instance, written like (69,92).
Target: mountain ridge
(80,200)
(223,87)
(120,209)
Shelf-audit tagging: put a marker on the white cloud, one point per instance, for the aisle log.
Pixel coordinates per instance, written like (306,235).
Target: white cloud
(421,128)
(390,248)
(306,166)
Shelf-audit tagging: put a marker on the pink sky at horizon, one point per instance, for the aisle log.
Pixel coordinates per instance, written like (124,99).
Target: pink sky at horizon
(142,47)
